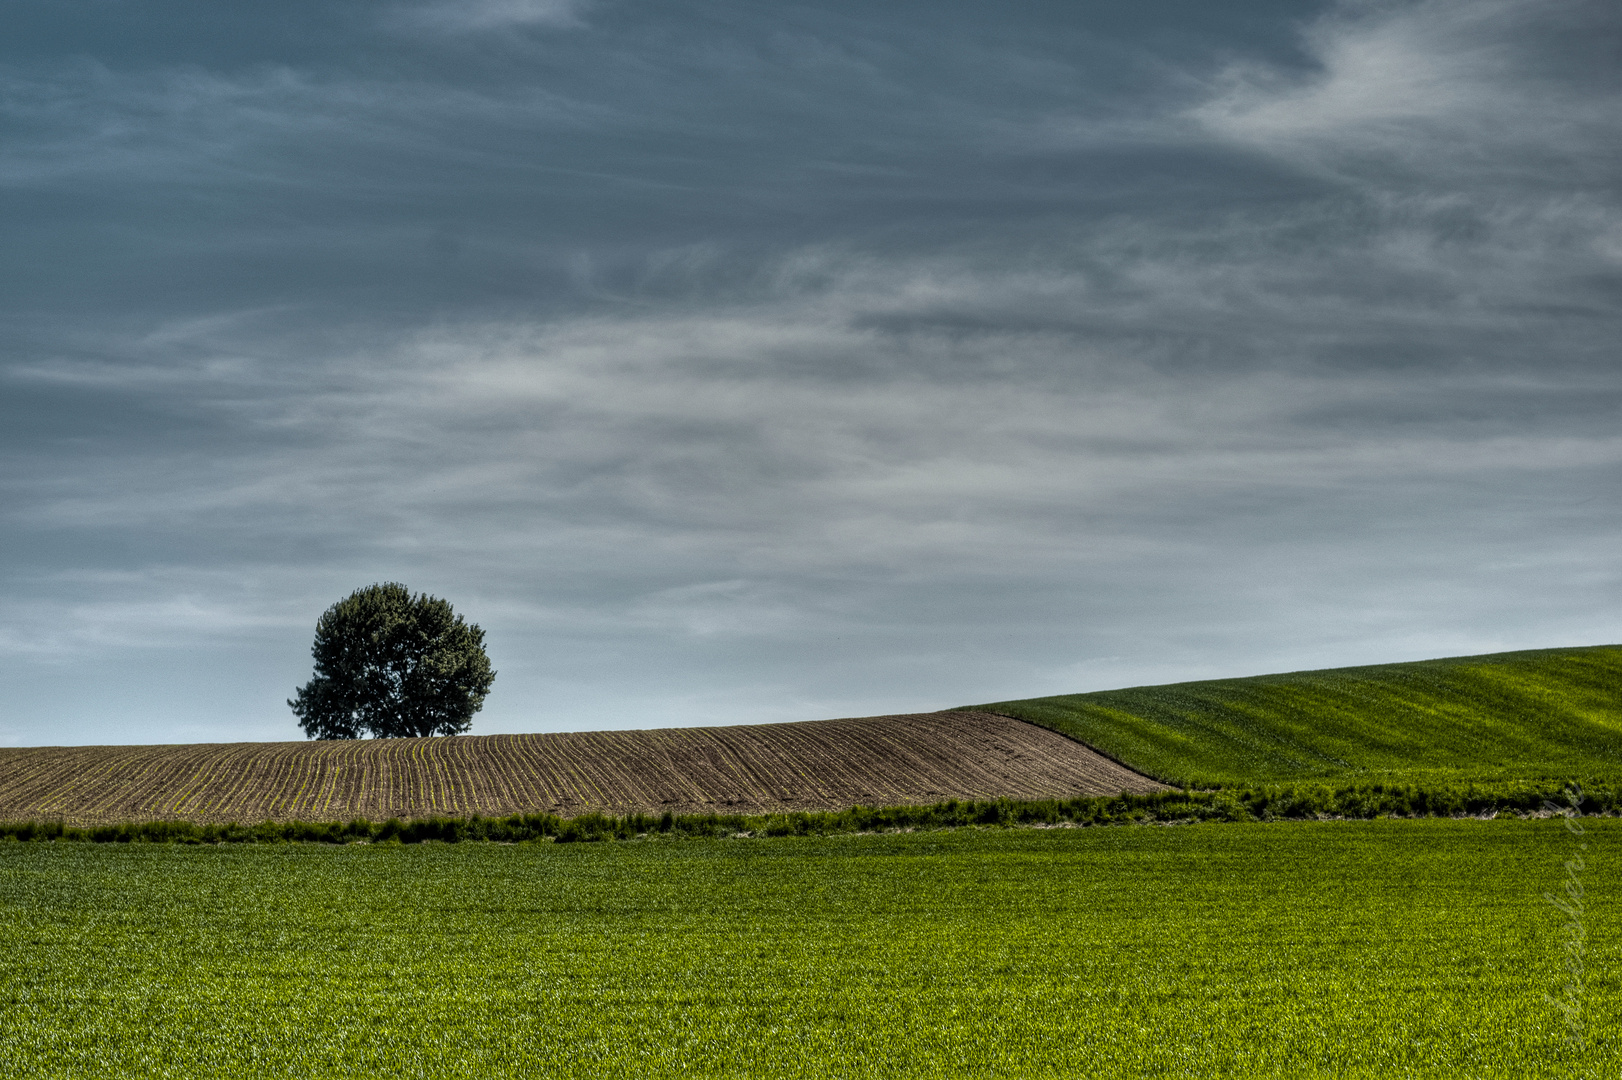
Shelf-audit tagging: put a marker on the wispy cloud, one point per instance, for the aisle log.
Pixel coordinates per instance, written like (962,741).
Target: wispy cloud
(471,16)
(273,127)
(845,429)
(1472,91)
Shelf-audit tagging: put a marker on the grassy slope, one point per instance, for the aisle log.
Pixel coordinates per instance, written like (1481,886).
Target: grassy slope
(1552,713)
(1347,949)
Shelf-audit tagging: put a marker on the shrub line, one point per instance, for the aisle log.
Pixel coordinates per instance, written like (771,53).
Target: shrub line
(1277,802)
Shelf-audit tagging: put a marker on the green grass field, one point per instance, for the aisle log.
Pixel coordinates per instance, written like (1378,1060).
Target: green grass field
(1381,948)
(1549,714)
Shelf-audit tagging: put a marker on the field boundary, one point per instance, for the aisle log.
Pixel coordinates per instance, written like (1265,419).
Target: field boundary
(1079,741)
(1291,802)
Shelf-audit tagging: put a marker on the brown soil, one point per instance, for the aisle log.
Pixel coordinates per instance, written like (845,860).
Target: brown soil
(820,765)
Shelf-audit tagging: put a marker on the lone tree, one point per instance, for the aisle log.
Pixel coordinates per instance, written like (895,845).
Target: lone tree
(393,666)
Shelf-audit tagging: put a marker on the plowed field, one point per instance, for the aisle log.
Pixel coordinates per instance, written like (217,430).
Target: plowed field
(824,764)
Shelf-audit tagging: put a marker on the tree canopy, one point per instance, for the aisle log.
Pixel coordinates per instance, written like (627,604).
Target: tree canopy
(393,665)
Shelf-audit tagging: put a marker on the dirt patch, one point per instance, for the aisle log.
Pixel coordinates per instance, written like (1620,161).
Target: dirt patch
(760,768)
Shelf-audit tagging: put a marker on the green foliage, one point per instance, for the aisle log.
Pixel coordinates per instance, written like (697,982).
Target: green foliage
(1277,802)
(393,665)
(1525,715)
(1336,949)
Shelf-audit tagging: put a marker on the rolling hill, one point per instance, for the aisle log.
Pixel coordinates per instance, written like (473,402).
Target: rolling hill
(1549,713)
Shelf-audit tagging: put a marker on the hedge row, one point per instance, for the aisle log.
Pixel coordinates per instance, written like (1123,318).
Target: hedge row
(1270,803)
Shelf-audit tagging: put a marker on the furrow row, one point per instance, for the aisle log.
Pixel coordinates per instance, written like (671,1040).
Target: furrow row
(760,768)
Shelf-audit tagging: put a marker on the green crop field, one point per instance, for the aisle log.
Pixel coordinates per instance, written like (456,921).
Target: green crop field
(1343,948)
(1553,713)
(1379,948)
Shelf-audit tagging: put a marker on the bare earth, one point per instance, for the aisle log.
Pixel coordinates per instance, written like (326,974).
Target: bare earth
(761,768)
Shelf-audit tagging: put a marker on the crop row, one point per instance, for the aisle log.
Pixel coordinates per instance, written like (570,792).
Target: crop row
(1552,712)
(808,766)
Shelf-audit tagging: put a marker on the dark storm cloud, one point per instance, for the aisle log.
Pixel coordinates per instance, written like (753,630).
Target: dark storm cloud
(730,364)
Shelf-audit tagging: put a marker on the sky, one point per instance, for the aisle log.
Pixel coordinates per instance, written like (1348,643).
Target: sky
(731,362)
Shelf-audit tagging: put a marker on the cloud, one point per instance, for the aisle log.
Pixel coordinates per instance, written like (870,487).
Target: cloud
(1472,151)
(1473,91)
(848,429)
(276,129)
(475,16)
(68,615)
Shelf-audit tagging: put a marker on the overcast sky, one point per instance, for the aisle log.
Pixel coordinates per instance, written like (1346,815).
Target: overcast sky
(737,362)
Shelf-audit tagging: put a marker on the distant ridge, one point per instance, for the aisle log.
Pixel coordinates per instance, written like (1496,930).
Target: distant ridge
(1547,713)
